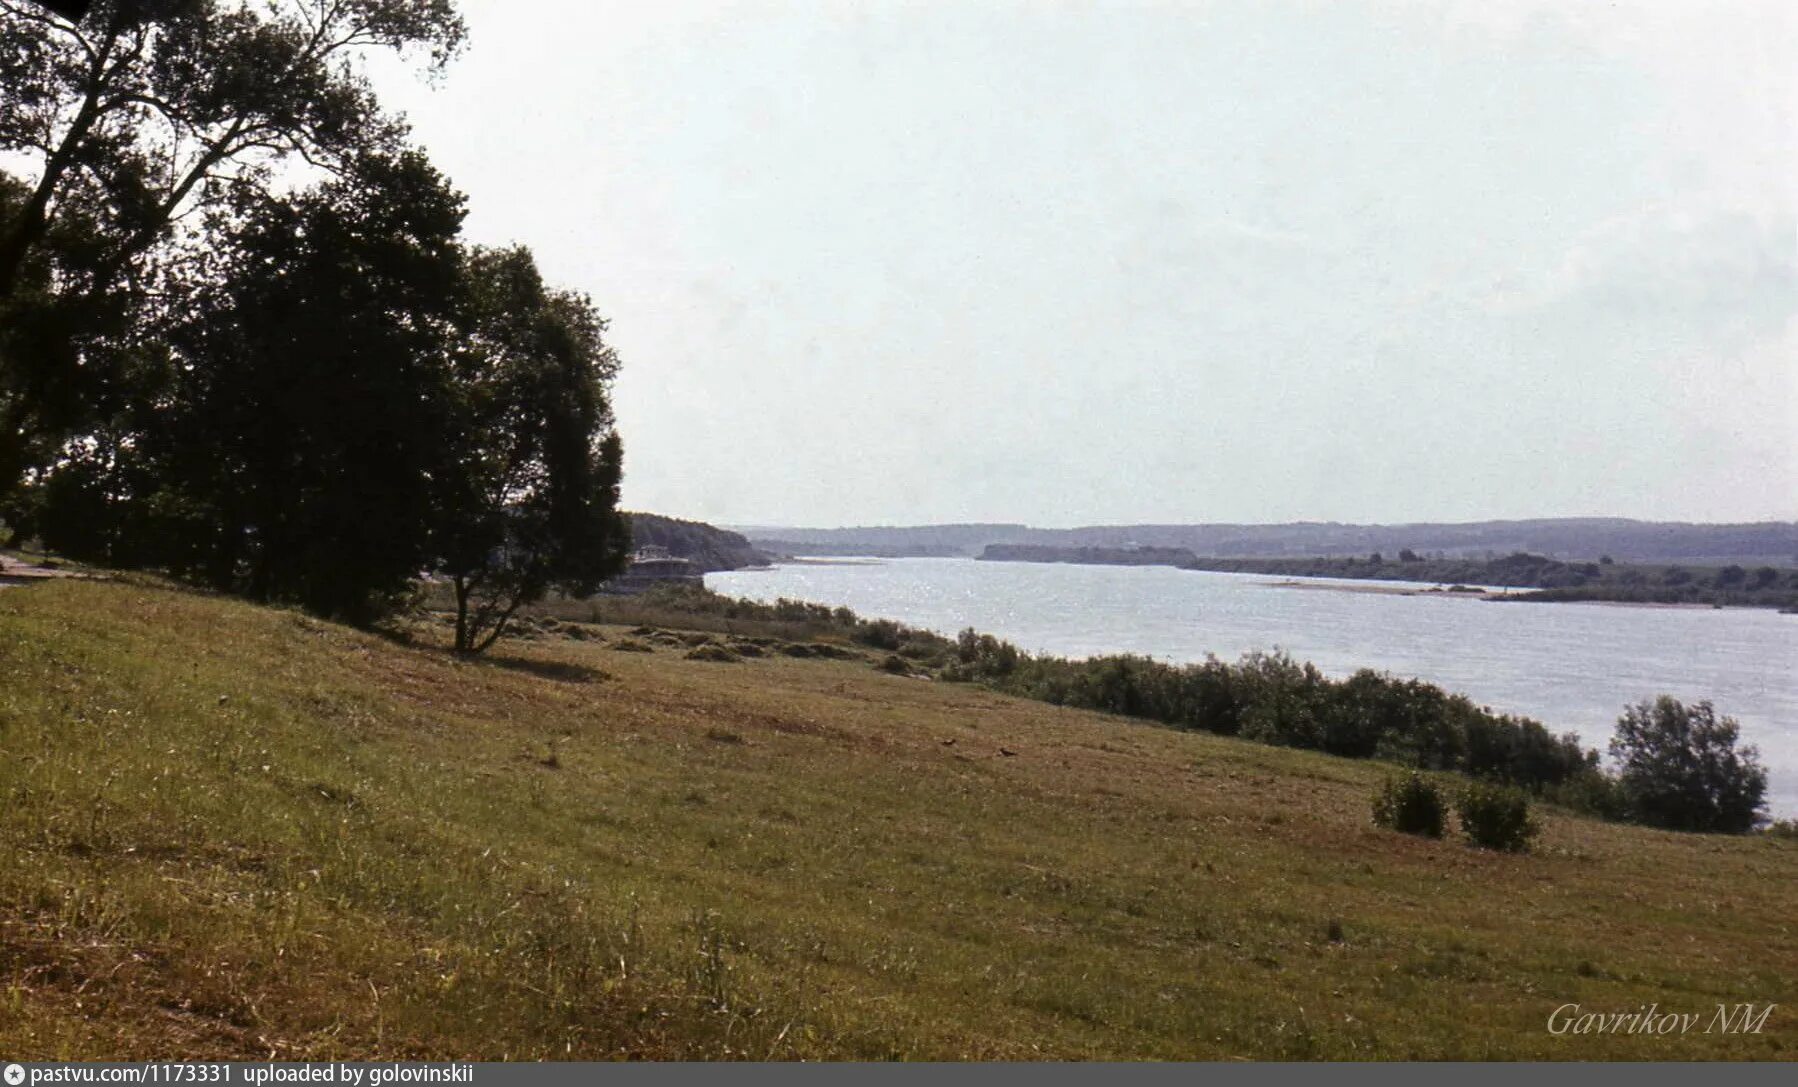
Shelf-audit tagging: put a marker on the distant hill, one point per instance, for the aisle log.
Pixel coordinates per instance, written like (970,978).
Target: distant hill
(1581,539)
(1098,556)
(922,540)
(706,546)
(775,546)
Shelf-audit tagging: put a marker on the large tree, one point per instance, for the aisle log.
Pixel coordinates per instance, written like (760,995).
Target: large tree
(528,497)
(144,115)
(319,382)
(290,447)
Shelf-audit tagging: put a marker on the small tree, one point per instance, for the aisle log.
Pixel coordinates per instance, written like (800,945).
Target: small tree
(1680,768)
(530,486)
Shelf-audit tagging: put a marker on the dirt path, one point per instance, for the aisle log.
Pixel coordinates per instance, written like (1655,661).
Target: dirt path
(19,572)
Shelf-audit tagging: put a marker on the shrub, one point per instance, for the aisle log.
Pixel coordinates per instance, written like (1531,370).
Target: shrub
(1283,700)
(1496,817)
(1593,793)
(715,653)
(1410,805)
(1212,700)
(881,634)
(985,655)
(1680,768)
(1519,751)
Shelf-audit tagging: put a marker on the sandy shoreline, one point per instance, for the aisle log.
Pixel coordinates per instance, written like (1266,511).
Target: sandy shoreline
(1525,595)
(1385,590)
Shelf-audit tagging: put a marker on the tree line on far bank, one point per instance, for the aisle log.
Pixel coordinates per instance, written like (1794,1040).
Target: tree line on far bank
(243,340)
(1555,579)
(1760,586)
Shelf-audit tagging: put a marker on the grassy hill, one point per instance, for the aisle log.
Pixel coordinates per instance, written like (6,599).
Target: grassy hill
(238,831)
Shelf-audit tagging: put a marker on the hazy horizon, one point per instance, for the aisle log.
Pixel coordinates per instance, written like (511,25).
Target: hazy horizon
(740,526)
(1233,262)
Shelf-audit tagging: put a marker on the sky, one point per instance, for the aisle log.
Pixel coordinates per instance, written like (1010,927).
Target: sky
(1073,263)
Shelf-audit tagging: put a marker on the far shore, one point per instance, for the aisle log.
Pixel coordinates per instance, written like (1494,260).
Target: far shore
(1387,590)
(1524,595)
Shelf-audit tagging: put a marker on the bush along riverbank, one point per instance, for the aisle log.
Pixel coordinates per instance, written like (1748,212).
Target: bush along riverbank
(1682,770)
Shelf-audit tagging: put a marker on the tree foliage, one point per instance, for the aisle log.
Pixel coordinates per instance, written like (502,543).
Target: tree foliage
(1679,767)
(285,439)
(242,340)
(532,498)
(135,123)
(148,108)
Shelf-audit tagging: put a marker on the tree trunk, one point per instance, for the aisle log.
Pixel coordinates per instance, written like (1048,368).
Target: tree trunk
(462,631)
(499,625)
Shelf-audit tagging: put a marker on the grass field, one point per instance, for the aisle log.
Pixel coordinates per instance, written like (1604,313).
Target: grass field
(236,831)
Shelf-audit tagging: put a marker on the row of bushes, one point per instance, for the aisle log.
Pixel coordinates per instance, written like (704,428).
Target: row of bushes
(1678,766)
(1492,816)
(1271,698)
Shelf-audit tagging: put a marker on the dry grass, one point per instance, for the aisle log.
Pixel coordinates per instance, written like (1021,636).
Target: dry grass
(239,831)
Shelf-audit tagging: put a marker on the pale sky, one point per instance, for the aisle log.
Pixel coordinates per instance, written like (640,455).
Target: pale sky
(1072,263)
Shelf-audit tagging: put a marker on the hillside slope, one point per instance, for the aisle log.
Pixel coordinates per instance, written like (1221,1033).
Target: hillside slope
(239,831)
(708,547)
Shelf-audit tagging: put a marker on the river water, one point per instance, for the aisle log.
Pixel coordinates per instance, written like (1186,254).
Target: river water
(1570,666)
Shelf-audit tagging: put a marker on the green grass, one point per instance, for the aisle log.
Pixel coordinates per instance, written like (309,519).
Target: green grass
(235,831)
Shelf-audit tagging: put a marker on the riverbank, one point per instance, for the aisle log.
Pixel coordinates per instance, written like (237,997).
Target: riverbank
(1536,579)
(1471,592)
(237,830)
(1573,668)
(1467,591)
(1553,580)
